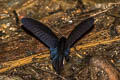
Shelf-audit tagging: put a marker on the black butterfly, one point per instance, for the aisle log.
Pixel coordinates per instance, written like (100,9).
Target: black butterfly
(59,48)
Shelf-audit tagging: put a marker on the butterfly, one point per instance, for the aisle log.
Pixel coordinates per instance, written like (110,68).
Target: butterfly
(59,48)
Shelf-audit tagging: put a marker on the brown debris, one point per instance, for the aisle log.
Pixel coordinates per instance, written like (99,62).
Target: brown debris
(100,65)
(23,56)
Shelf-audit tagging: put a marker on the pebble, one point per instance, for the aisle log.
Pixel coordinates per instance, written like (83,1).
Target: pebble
(118,29)
(2,16)
(4,26)
(8,24)
(5,77)
(12,29)
(5,37)
(70,21)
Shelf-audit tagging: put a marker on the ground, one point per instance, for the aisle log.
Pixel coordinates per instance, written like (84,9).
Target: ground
(96,56)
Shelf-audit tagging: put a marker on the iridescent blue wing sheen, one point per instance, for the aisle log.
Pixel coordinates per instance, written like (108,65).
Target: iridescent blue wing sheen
(57,55)
(41,31)
(57,63)
(79,31)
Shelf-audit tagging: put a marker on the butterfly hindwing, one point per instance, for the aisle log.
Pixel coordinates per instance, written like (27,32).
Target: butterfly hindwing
(41,31)
(79,31)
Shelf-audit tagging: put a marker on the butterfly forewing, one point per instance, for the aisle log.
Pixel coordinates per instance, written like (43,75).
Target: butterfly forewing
(79,31)
(41,31)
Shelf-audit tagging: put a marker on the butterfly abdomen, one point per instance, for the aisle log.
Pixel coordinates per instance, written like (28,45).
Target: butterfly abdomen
(58,57)
(61,45)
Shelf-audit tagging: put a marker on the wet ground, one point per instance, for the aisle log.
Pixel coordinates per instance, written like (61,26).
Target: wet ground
(96,56)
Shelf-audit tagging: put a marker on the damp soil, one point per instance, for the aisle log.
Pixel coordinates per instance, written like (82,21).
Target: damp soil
(96,56)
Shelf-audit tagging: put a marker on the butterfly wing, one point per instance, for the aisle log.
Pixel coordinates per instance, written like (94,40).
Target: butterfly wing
(79,31)
(41,31)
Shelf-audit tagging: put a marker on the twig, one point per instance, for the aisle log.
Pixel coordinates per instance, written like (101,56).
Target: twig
(99,12)
(27,5)
(37,69)
(12,64)
(55,74)
(107,41)
(77,53)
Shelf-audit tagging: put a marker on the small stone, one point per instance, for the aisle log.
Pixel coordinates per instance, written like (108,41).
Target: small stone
(4,16)
(4,77)
(12,29)
(4,26)
(70,21)
(2,37)
(3,31)
(5,12)
(8,24)
(7,36)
